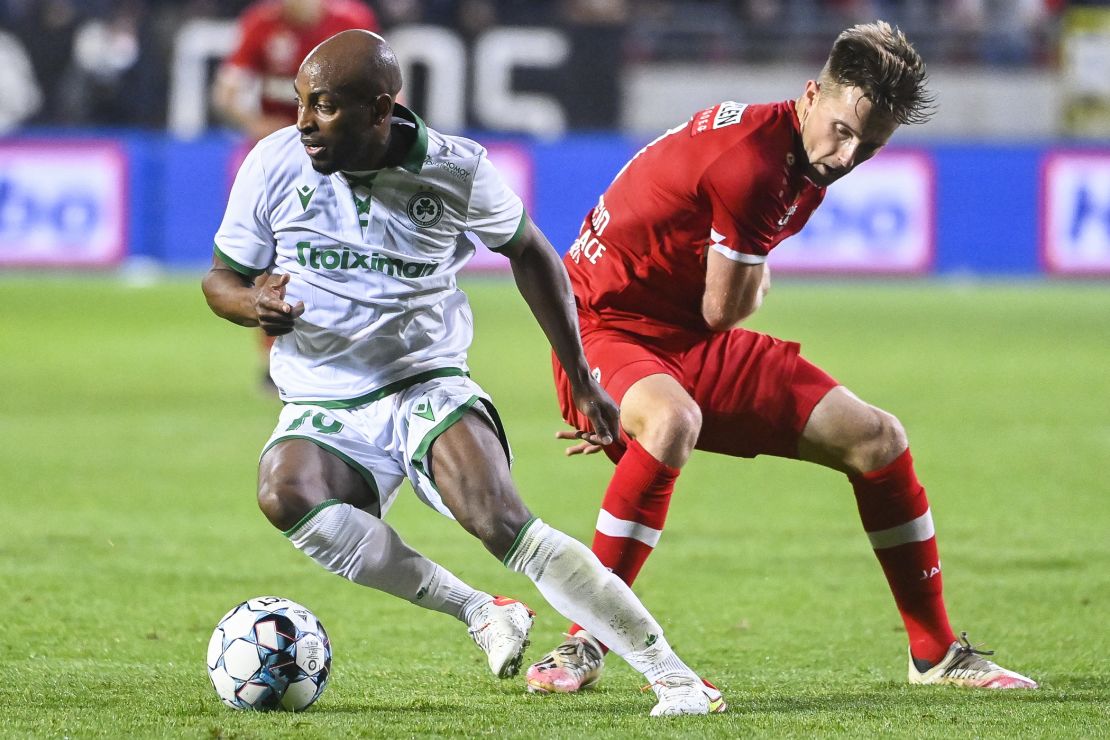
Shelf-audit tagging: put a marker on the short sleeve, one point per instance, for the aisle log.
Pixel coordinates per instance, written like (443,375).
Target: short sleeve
(740,205)
(495,214)
(245,240)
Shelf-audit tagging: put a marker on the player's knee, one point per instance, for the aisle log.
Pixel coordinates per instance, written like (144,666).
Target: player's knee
(676,425)
(281,497)
(882,439)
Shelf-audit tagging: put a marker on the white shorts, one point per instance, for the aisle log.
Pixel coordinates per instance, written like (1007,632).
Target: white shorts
(388,440)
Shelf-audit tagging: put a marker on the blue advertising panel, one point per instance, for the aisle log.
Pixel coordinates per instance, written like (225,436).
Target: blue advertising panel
(1075,194)
(62,204)
(944,209)
(880,219)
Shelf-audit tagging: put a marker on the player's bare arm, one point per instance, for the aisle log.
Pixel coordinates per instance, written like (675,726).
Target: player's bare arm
(238,299)
(733,290)
(542,280)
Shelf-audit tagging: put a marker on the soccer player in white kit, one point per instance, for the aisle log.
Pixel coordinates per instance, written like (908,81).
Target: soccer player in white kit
(358,212)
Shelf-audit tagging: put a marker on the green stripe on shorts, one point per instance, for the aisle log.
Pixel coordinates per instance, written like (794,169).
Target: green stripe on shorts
(386,390)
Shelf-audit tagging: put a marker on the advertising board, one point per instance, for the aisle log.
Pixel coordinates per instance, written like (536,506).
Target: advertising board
(514,162)
(1075,213)
(880,219)
(62,204)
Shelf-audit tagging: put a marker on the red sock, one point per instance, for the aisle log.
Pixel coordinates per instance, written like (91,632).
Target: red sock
(632,513)
(895,514)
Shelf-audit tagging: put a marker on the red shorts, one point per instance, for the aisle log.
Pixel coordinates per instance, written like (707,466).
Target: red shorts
(755,392)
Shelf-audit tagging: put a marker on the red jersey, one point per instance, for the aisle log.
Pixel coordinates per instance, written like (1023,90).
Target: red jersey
(729,179)
(273,48)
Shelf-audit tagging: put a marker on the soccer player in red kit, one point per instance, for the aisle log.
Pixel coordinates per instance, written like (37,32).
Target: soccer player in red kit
(670,260)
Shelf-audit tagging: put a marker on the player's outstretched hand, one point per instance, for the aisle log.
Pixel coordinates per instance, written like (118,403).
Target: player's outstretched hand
(582,448)
(275,316)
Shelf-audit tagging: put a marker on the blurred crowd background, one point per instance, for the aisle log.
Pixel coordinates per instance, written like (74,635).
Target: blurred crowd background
(107,62)
(123,122)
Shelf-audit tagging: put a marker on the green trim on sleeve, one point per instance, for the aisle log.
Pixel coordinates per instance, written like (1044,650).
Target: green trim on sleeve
(519,538)
(425,445)
(241,269)
(305,519)
(517,235)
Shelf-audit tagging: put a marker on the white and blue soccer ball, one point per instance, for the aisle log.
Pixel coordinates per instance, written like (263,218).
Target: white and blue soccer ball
(269,653)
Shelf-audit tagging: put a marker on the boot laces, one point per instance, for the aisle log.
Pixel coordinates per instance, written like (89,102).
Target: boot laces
(968,658)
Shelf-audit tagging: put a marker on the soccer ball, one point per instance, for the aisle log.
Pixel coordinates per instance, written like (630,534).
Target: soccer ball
(269,653)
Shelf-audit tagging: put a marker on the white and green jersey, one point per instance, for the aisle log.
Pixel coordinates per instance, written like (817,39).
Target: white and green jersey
(374,261)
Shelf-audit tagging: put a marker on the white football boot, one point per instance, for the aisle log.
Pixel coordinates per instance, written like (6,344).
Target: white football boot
(686,694)
(964,665)
(500,627)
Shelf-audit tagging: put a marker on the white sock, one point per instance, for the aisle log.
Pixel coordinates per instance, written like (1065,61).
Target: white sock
(362,548)
(580,588)
(657,661)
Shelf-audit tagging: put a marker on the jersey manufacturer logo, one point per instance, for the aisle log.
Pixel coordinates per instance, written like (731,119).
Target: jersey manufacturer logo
(423,409)
(305,193)
(425,209)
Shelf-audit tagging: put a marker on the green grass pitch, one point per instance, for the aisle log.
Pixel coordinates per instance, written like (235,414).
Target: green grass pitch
(130,421)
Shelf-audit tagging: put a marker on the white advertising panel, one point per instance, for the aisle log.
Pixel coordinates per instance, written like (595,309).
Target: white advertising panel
(514,162)
(878,219)
(62,204)
(1075,213)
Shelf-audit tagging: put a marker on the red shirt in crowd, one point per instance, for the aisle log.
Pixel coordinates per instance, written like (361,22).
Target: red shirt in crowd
(272,47)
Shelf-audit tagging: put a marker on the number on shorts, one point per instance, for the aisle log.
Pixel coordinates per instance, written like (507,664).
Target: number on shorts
(320,422)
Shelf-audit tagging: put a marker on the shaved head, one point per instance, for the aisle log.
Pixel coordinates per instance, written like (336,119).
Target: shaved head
(346,88)
(356,63)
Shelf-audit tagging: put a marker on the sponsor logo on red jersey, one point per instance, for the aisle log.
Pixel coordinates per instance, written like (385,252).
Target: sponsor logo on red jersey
(719,116)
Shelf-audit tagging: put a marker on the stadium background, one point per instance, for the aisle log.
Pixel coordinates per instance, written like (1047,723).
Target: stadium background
(130,417)
(109,122)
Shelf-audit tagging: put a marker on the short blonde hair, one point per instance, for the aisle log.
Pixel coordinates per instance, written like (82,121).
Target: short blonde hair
(878,59)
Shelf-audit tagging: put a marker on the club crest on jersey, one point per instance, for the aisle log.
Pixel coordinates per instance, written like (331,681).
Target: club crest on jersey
(785,219)
(425,209)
